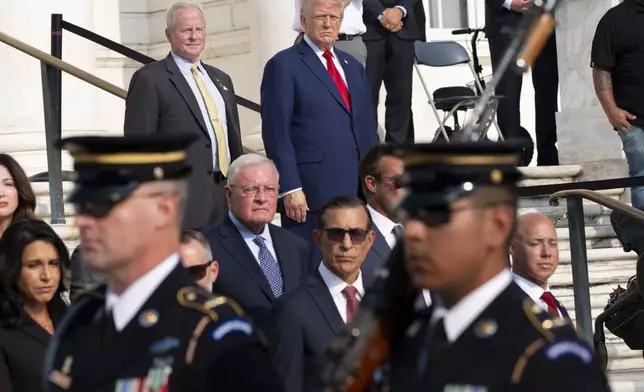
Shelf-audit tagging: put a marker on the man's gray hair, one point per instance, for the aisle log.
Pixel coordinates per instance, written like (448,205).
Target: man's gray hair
(169,15)
(245,161)
(308,5)
(189,235)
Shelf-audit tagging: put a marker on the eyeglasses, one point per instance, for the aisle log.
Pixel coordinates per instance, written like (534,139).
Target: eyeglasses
(357,235)
(253,190)
(198,272)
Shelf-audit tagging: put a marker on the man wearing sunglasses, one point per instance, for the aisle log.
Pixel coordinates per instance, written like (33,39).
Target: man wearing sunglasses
(150,326)
(309,318)
(380,177)
(482,332)
(196,256)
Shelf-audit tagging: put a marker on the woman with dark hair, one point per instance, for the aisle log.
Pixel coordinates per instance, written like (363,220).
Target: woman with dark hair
(17,199)
(32,258)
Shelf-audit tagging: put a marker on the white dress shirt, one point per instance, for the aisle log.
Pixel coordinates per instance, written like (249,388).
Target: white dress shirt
(125,306)
(384,225)
(352,23)
(248,238)
(507,4)
(336,285)
(534,291)
(185,67)
(460,316)
(320,53)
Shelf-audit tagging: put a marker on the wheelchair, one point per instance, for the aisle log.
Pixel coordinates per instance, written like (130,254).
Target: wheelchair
(454,99)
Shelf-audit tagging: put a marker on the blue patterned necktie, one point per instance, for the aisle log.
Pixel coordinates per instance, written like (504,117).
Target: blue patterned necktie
(270,267)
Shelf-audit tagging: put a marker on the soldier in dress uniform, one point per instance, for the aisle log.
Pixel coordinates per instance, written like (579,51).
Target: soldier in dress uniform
(150,328)
(482,332)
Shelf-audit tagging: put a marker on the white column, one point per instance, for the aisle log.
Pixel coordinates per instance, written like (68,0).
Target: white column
(22,131)
(584,134)
(271,30)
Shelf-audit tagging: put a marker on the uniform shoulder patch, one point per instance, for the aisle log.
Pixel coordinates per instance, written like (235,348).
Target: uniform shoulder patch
(569,348)
(206,303)
(230,326)
(544,322)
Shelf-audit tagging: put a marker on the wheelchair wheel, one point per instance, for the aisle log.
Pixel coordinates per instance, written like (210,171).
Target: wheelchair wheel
(439,138)
(528,152)
(601,354)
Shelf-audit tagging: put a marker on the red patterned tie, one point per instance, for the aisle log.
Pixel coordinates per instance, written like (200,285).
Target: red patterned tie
(351,294)
(337,78)
(550,300)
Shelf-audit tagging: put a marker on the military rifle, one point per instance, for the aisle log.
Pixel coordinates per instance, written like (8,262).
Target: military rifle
(387,309)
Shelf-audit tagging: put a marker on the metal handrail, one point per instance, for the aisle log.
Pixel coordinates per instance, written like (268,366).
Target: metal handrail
(63,66)
(599,199)
(72,70)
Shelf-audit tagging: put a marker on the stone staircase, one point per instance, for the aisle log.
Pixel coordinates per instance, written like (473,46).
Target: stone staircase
(609,265)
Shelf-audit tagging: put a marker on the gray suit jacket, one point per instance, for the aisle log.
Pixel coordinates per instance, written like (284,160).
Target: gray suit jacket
(160,101)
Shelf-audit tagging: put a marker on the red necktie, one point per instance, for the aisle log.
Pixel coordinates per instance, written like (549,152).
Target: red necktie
(337,78)
(350,293)
(550,300)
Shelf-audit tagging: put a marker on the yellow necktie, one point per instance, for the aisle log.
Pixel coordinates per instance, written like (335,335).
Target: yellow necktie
(213,113)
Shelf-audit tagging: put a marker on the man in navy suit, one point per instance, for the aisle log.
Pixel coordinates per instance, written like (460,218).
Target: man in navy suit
(258,261)
(317,118)
(380,177)
(313,314)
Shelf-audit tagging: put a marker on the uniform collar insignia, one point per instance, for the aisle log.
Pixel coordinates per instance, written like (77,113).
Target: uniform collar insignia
(486,328)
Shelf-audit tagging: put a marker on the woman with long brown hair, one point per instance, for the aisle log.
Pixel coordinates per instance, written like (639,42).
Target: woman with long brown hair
(17,198)
(33,260)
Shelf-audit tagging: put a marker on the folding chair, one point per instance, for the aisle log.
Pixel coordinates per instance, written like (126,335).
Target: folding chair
(451,99)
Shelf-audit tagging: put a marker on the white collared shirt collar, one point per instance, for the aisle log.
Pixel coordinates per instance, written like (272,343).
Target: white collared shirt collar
(247,234)
(319,52)
(128,304)
(533,290)
(336,285)
(460,316)
(185,66)
(384,225)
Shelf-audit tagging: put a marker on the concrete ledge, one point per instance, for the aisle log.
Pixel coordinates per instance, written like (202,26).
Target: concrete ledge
(552,172)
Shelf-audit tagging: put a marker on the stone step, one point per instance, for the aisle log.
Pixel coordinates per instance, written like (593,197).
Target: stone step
(597,237)
(626,381)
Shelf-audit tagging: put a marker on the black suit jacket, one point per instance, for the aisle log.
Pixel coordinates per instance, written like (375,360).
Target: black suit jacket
(160,100)
(497,17)
(376,257)
(413,25)
(205,341)
(22,354)
(240,276)
(513,345)
(306,321)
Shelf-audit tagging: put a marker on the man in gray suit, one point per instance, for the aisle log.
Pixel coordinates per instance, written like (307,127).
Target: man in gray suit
(182,94)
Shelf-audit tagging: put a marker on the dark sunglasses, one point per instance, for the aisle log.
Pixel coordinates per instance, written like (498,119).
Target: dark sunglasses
(198,272)
(337,235)
(94,209)
(395,181)
(437,217)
